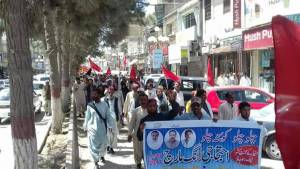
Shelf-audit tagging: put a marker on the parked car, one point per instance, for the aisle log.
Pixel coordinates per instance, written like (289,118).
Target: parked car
(154,77)
(42,78)
(38,87)
(5,104)
(4,83)
(266,116)
(188,84)
(257,98)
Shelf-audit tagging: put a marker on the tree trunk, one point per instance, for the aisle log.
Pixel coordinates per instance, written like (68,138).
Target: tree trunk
(21,95)
(65,92)
(51,52)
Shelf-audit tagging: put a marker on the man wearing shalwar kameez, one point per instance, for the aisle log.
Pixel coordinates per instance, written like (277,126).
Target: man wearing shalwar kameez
(79,97)
(96,124)
(115,108)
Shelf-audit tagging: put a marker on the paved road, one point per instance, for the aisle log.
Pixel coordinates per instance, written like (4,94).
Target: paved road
(6,148)
(123,158)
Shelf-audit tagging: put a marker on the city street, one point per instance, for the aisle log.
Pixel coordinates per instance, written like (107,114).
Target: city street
(42,124)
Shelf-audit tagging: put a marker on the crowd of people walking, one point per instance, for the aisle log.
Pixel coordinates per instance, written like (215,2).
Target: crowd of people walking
(110,103)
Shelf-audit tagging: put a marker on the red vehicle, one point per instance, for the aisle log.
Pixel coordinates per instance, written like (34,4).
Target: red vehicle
(257,98)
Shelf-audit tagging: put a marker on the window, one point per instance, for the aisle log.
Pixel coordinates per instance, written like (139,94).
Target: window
(226,6)
(189,20)
(187,85)
(238,95)
(253,96)
(169,29)
(207,6)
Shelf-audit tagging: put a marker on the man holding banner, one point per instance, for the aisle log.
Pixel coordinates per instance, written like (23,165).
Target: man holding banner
(133,125)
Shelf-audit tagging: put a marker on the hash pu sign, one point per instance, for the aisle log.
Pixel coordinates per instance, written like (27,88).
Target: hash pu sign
(202,145)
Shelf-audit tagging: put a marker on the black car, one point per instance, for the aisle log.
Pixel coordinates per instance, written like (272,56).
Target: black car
(188,84)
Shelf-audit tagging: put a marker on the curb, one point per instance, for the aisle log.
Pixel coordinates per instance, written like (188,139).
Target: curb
(40,148)
(72,154)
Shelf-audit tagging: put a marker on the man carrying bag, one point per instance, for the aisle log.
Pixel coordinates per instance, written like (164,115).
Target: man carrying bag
(96,121)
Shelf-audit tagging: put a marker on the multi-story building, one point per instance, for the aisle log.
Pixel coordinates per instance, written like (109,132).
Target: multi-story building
(182,25)
(258,39)
(235,34)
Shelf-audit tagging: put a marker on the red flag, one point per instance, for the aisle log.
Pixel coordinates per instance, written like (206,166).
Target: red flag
(108,72)
(286,36)
(170,74)
(210,75)
(125,61)
(132,73)
(94,66)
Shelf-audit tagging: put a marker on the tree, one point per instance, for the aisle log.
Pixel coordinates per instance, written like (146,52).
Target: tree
(21,95)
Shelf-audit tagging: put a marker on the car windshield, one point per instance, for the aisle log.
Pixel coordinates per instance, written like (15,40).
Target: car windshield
(4,95)
(37,86)
(45,79)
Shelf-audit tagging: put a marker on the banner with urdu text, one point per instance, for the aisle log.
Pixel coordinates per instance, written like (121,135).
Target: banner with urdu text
(202,144)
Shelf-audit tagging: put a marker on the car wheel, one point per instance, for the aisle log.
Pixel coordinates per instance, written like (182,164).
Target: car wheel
(272,149)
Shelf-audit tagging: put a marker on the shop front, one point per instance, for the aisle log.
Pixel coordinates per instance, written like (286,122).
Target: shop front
(226,58)
(258,49)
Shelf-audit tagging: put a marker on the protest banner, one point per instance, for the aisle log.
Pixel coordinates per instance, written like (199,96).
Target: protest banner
(202,145)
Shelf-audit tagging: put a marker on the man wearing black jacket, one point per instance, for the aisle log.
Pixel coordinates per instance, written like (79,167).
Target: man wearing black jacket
(153,115)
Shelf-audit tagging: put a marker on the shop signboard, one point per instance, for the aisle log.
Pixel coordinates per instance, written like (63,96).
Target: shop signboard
(189,144)
(236,13)
(260,37)
(174,54)
(157,58)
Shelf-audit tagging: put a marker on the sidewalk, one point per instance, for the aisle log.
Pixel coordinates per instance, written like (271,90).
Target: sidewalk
(42,125)
(122,159)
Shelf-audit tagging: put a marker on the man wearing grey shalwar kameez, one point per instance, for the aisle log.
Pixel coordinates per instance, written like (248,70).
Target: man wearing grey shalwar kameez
(96,125)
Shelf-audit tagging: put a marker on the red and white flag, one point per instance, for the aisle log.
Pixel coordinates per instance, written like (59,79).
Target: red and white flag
(286,36)
(170,74)
(94,66)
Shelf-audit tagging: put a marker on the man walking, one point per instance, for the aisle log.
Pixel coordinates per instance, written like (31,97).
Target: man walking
(228,110)
(179,97)
(150,92)
(137,115)
(161,99)
(131,96)
(47,99)
(115,108)
(96,123)
(79,97)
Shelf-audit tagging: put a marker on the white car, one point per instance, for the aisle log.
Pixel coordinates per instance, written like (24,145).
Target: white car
(154,77)
(4,83)
(38,87)
(266,116)
(42,78)
(5,104)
